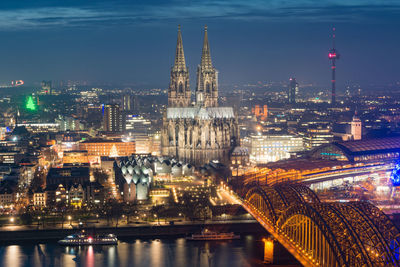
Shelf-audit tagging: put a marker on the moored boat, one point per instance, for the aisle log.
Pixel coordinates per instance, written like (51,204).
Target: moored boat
(211,235)
(81,239)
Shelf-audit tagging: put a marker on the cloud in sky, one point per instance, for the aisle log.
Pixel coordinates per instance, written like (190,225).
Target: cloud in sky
(44,14)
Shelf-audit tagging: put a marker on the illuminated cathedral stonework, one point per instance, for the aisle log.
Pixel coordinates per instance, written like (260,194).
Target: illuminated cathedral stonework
(201,132)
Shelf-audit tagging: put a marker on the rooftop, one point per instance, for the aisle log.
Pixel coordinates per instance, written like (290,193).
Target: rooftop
(99,140)
(200,113)
(370,145)
(302,164)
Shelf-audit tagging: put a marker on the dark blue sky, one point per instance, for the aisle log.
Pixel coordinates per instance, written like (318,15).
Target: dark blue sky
(134,41)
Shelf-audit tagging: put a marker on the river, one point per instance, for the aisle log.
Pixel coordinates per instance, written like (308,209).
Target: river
(173,252)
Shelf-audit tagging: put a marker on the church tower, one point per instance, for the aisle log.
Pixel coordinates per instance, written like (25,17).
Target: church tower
(207,78)
(179,89)
(356,128)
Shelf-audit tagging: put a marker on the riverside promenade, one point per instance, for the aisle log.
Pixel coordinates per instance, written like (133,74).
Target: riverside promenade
(15,234)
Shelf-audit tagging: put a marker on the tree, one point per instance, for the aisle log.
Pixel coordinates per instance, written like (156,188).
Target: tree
(129,210)
(30,104)
(113,210)
(26,218)
(100,176)
(113,152)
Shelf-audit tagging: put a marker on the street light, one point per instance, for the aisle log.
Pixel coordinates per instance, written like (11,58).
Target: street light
(12,219)
(69,219)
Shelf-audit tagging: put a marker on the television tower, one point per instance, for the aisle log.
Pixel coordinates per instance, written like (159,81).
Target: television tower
(333,56)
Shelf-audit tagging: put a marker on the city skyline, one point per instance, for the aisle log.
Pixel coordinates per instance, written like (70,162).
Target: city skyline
(133,42)
(131,128)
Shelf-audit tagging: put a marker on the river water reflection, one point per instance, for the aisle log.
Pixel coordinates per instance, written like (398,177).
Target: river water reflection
(143,252)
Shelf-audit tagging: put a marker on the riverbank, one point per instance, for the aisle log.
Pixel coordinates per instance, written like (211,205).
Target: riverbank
(132,232)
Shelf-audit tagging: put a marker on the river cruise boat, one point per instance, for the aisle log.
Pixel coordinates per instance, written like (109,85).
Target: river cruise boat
(210,235)
(82,239)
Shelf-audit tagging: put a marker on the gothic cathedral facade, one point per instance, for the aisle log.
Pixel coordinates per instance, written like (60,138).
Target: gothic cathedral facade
(203,131)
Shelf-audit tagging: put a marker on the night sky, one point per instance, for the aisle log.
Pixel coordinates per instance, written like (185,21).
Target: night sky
(262,40)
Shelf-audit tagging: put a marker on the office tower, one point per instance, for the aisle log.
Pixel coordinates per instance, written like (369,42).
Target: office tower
(356,128)
(128,103)
(46,87)
(293,90)
(113,119)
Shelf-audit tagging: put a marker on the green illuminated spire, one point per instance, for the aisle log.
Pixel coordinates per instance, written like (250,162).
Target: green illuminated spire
(30,104)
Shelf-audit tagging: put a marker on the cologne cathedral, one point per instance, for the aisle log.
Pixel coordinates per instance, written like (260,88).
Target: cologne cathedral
(201,131)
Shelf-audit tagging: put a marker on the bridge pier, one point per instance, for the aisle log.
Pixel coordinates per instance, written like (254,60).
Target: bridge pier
(268,250)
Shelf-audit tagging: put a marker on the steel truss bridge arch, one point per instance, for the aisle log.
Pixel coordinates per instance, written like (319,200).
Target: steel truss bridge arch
(325,234)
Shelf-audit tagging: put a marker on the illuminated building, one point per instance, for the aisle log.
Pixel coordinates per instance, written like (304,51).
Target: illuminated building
(129,103)
(46,87)
(260,112)
(137,124)
(203,132)
(26,173)
(179,92)
(69,124)
(133,177)
(113,119)
(142,143)
(160,193)
(240,159)
(207,78)
(55,194)
(348,131)
(6,198)
(155,144)
(7,195)
(60,194)
(292,90)
(97,148)
(75,157)
(39,198)
(268,148)
(10,157)
(94,193)
(39,127)
(356,128)
(146,143)
(76,195)
(89,97)
(317,134)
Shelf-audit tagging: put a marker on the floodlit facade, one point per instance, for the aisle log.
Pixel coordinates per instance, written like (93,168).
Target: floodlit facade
(97,148)
(269,148)
(203,132)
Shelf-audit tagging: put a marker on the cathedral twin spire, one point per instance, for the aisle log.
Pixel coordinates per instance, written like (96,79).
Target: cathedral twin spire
(179,94)
(180,63)
(205,55)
